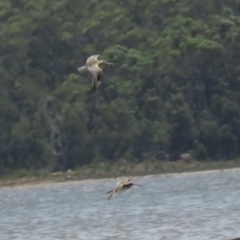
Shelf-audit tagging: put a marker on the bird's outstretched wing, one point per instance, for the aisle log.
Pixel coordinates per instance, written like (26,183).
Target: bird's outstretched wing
(92,60)
(97,74)
(109,191)
(95,81)
(116,189)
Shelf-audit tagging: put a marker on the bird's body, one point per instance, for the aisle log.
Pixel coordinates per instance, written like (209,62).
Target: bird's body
(122,185)
(92,65)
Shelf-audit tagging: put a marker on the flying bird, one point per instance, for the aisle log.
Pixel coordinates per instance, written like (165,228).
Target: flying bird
(93,66)
(122,185)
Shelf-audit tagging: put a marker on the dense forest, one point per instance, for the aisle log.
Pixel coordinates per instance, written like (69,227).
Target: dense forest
(174,88)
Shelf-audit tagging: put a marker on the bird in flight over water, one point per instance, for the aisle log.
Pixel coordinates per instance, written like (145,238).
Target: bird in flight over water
(93,66)
(122,185)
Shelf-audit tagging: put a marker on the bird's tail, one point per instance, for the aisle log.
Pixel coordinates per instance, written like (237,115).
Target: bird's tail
(81,69)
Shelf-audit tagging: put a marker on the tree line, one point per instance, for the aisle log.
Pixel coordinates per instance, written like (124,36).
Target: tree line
(174,87)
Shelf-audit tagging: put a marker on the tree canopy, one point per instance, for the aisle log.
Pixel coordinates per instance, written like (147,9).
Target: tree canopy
(175,86)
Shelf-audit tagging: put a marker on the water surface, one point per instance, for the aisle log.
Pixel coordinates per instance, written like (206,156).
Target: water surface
(195,206)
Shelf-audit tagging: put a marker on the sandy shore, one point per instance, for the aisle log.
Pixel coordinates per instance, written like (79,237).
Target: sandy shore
(32,182)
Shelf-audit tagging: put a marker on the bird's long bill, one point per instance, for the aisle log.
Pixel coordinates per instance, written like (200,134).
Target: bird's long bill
(139,185)
(108,63)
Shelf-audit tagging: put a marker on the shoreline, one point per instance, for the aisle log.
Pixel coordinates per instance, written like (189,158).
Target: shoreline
(118,170)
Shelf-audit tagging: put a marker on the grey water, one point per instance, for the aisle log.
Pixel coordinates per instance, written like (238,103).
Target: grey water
(195,206)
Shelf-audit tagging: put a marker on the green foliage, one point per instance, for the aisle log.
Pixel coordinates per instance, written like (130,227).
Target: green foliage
(174,87)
